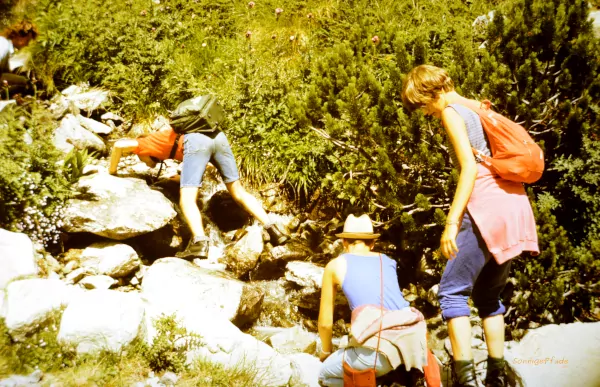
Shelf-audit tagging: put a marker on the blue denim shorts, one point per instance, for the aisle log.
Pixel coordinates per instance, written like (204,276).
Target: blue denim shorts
(198,150)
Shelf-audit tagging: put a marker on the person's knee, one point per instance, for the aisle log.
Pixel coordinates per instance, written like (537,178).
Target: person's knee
(488,306)
(453,304)
(237,191)
(188,197)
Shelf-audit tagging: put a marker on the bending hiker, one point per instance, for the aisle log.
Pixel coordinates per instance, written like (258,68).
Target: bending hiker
(358,273)
(14,37)
(489,222)
(196,150)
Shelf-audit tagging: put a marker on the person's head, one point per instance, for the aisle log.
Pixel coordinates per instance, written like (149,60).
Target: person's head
(21,33)
(424,88)
(358,233)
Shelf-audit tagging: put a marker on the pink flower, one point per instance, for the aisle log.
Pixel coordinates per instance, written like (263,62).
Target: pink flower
(251,4)
(153,29)
(278,11)
(143,13)
(248,34)
(375,39)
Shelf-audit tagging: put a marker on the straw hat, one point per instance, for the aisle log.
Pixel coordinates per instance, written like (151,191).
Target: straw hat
(358,228)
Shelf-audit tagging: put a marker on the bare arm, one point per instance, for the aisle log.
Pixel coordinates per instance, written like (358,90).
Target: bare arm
(328,292)
(119,148)
(457,132)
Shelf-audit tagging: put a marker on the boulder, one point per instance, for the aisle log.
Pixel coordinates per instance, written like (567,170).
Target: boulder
(71,134)
(293,340)
(557,355)
(305,370)
(117,208)
(110,258)
(304,274)
(87,100)
(277,310)
(2,303)
(595,18)
(101,319)
(30,302)
(93,125)
(171,284)
(16,256)
(243,255)
(224,344)
(98,282)
(31,380)
(272,263)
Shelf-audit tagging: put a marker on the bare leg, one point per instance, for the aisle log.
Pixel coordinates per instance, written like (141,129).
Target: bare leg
(459,329)
(191,212)
(493,327)
(249,202)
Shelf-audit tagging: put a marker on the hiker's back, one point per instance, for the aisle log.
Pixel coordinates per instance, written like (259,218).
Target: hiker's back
(362,282)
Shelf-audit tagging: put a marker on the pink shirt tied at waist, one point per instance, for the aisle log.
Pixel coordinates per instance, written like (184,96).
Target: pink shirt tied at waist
(503,214)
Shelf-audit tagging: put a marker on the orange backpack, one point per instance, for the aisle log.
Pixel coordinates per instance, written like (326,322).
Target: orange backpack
(515,156)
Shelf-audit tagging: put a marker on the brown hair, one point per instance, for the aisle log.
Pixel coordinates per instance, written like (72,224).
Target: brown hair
(423,84)
(22,28)
(368,242)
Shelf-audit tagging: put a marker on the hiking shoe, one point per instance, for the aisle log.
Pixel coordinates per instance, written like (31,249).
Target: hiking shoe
(465,376)
(196,248)
(495,375)
(277,237)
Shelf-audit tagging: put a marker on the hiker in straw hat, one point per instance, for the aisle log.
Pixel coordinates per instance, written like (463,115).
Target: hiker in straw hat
(358,273)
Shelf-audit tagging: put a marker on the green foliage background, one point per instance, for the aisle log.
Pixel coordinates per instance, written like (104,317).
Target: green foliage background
(315,103)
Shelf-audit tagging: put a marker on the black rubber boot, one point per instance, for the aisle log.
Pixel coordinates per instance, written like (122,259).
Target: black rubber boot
(196,248)
(277,237)
(465,373)
(496,374)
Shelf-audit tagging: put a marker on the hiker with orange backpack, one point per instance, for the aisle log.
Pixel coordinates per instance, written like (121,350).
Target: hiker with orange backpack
(490,220)
(196,150)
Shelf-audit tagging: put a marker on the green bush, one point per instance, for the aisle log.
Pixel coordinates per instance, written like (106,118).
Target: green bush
(33,188)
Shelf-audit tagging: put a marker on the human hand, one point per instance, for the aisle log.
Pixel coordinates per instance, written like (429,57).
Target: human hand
(448,241)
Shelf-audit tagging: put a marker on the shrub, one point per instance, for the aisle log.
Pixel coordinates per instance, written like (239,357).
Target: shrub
(33,188)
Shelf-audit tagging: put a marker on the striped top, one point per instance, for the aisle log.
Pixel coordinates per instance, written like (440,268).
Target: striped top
(475,131)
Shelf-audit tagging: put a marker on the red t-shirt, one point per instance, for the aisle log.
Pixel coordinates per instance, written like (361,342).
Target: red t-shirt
(159,144)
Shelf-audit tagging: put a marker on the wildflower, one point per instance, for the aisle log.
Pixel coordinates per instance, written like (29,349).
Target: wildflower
(5,83)
(156,1)
(248,34)
(153,29)
(182,45)
(375,39)
(278,11)
(143,13)
(292,38)
(203,44)
(310,15)
(251,4)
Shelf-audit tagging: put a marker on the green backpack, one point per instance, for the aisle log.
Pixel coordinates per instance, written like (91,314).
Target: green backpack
(201,114)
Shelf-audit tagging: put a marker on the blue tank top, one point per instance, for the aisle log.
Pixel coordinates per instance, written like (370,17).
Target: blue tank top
(362,284)
(475,131)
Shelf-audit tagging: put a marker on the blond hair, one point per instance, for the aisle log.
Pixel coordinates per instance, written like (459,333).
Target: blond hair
(423,84)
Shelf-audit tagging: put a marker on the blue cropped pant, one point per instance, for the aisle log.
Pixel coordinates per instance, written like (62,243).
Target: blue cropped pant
(472,273)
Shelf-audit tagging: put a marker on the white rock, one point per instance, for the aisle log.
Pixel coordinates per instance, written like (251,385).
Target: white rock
(71,134)
(595,18)
(172,284)
(305,370)
(101,319)
(16,256)
(225,344)
(30,302)
(293,340)
(305,274)
(110,258)
(2,303)
(4,104)
(110,116)
(93,125)
(97,282)
(89,100)
(557,355)
(122,208)
(243,255)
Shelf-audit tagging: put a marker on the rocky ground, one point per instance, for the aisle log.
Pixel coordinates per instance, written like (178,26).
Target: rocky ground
(249,301)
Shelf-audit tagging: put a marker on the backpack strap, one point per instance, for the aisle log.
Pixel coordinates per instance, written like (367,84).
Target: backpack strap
(171,155)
